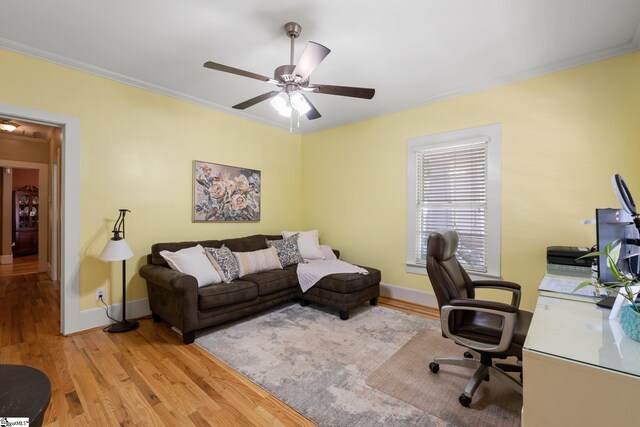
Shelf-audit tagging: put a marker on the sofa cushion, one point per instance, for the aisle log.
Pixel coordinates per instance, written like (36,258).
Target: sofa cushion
(257,261)
(224,262)
(308,243)
(273,281)
(349,282)
(156,248)
(193,261)
(246,244)
(287,249)
(226,293)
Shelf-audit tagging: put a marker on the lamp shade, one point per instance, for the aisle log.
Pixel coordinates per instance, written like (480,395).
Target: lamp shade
(116,250)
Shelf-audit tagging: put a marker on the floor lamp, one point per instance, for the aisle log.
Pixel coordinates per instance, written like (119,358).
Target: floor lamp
(117,249)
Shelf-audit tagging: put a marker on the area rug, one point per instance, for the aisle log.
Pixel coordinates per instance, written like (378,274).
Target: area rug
(406,376)
(318,364)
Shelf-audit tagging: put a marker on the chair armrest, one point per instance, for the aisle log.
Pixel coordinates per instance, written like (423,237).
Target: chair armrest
(502,285)
(487,305)
(508,312)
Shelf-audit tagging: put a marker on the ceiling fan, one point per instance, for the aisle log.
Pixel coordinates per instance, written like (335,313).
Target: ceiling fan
(293,80)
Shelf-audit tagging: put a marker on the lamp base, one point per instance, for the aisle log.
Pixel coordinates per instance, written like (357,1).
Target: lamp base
(123,326)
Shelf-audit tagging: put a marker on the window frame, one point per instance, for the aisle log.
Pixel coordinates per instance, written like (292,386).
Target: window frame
(493,134)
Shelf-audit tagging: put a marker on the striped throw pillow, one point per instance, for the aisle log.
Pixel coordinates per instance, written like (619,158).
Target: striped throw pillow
(258,261)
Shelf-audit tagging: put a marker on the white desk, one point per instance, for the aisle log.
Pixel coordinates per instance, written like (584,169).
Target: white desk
(580,369)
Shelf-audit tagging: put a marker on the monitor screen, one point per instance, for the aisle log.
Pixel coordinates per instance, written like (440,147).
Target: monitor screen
(617,224)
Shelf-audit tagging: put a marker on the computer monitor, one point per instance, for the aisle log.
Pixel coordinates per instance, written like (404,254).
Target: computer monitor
(612,225)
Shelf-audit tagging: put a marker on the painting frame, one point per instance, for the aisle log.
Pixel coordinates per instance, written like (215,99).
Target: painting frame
(224,193)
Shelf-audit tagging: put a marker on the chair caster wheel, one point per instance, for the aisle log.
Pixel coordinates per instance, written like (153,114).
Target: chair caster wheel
(434,367)
(468,355)
(464,400)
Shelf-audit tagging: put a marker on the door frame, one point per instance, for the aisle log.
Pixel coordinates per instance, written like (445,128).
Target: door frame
(70,208)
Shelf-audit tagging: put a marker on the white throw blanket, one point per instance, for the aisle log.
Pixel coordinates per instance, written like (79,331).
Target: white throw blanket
(311,272)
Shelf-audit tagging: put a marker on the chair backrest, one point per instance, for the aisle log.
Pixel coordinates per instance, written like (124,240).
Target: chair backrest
(448,278)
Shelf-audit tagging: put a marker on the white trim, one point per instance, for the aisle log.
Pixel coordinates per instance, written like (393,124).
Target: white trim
(70,238)
(622,49)
(53,220)
(414,296)
(635,42)
(6,259)
(421,269)
(492,133)
(96,317)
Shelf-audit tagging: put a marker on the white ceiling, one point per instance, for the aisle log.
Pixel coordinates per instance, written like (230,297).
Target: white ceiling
(411,51)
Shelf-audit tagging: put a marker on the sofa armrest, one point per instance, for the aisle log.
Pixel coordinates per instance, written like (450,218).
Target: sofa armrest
(169,279)
(173,296)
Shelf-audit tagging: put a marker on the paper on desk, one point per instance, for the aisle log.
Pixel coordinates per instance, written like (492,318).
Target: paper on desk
(566,285)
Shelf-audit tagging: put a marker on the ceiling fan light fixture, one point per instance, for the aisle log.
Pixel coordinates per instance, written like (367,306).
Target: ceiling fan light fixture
(300,103)
(281,104)
(8,125)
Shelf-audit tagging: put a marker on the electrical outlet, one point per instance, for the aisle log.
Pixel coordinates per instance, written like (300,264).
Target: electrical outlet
(99,294)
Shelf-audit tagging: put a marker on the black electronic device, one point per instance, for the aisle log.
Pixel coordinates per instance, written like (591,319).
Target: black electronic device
(568,255)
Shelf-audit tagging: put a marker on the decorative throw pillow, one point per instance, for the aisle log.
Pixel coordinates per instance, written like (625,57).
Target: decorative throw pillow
(287,249)
(308,243)
(328,252)
(194,262)
(224,262)
(257,261)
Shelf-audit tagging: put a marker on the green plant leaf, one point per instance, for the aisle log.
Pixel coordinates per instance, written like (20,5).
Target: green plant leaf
(583,285)
(591,254)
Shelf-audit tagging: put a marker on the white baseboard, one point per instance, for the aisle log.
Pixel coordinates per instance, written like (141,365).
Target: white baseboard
(96,317)
(414,296)
(6,259)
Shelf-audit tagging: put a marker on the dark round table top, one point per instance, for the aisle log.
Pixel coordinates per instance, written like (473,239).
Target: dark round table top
(24,392)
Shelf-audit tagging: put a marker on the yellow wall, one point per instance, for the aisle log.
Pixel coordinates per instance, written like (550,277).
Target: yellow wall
(137,149)
(564,135)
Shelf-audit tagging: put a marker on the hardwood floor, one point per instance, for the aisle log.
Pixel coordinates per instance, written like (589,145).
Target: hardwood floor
(21,265)
(145,377)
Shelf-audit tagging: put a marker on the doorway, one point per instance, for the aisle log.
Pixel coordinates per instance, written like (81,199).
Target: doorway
(66,213)
(20,206)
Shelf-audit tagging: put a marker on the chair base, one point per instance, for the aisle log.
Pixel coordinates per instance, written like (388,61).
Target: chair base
(485,368)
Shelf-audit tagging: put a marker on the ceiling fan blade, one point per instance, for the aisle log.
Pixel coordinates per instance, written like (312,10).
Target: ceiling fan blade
(311,57)
(238,71)
(253,101)
(312,114)
(355,92)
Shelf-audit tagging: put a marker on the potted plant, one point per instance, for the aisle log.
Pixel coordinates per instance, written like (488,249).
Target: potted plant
(630,313)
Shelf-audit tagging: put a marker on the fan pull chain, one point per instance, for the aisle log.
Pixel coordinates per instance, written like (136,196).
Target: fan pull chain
(291,123)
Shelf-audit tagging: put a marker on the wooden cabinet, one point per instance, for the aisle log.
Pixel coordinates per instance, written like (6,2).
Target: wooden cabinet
(26,214)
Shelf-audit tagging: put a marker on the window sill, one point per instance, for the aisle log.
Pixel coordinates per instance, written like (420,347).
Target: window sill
(422,270)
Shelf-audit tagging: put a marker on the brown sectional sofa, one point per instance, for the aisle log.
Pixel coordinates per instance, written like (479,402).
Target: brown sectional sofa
(176,298)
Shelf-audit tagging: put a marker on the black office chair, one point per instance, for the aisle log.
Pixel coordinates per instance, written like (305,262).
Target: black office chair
(491,329)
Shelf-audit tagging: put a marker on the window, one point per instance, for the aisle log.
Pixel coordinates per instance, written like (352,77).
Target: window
(453,181)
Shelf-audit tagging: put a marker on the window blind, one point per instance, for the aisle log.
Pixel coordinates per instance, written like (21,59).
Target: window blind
(452,193)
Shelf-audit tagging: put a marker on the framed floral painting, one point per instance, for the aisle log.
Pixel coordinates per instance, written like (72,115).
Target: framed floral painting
(225,193)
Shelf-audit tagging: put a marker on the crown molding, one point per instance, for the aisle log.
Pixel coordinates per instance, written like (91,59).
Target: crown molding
(622,49)
(120,78)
